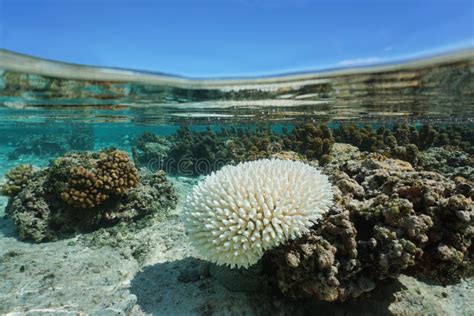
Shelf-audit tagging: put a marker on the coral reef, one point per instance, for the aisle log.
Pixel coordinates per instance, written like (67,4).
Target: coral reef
(54,144)
(392,141)
(310,140)
(237,213)
(64,198)
(365,138)
(149,148)
(248,144)
(387,219)
(39,145)
(17,180)
(112,175)
(449,162)
(447,149)
(193,153)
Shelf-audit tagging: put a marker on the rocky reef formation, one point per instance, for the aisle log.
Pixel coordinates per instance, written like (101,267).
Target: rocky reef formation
(149,147)
(387,219)
(403,202)
(192,153)
(406,142)
(85,191)
(53,144)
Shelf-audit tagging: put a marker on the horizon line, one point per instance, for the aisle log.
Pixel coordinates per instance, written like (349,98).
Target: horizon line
(24,63)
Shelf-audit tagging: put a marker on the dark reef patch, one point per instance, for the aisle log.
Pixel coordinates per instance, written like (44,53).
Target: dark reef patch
(55,143)
(447,149)
(192,153)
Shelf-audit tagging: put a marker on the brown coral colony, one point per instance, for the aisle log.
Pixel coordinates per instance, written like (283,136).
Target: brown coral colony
(17,179)
(113,175)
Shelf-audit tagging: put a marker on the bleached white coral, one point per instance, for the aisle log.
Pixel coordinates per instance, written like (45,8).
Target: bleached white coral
(238,212)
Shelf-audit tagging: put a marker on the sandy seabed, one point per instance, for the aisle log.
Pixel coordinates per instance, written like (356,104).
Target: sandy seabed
(72,277)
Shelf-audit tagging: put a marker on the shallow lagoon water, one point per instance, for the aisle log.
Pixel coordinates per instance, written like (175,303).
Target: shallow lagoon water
(147,266)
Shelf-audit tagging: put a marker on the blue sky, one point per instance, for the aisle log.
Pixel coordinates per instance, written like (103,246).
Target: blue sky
(234,37)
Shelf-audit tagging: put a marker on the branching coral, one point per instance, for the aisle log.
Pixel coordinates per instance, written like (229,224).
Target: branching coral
(17,179)
(113,174)
(311,140)
(41,214)
(240,211)
(117,172)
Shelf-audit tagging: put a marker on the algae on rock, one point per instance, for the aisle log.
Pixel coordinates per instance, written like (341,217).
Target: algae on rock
(43,210)
(392,219)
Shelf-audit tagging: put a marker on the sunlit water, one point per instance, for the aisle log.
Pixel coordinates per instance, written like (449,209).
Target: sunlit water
(116,106)
(43,102)
(46,99)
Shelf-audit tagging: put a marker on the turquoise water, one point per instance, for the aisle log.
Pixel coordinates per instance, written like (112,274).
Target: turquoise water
(50,109)
(121,106)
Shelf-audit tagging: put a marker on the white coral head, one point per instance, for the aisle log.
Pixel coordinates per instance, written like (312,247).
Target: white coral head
(238,212)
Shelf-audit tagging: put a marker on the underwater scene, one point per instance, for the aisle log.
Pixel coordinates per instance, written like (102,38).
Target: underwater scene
(342,192)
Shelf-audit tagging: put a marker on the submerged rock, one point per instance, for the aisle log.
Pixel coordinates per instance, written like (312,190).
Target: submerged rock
(404,141)
(387,219)
(448,162)
(54,201)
